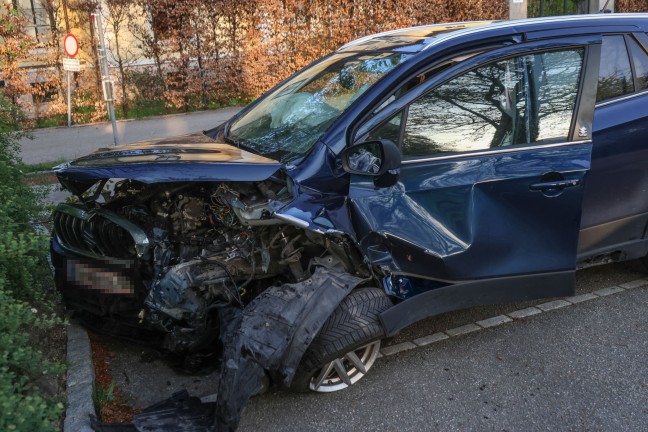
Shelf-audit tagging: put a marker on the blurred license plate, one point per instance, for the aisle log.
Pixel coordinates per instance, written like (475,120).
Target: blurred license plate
(103,280)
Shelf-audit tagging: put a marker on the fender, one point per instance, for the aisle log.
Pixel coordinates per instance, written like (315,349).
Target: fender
(273,333)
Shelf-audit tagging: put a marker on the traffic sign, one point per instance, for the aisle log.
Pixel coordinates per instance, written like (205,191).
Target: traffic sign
(72,65)
(108,89)
(71,45)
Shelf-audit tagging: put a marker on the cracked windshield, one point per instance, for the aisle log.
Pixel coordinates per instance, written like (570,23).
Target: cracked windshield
(287,123)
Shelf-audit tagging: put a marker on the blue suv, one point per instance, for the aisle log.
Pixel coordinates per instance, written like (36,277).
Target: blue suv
(407,174)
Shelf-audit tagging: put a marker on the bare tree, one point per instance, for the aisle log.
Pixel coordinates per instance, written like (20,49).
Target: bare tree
(145,31)
(117,15)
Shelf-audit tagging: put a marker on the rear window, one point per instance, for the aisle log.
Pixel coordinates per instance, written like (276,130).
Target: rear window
(615,74)
(640,61)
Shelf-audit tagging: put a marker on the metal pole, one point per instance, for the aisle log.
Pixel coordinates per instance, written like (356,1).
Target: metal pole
(105,75)
(69,100)
(517,9)
(595,6)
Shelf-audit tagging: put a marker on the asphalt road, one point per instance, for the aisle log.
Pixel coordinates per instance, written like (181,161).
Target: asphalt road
(53,144)
(582,368)
(579,368)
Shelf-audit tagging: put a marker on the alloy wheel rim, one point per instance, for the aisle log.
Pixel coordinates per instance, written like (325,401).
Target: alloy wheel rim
(346,370)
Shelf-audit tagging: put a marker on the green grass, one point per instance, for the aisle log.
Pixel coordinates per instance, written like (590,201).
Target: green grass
(101,395)
(41,166)
(52,121)
(142,110)
(61,119)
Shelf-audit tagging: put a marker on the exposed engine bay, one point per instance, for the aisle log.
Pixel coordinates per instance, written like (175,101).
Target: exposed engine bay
(197,247)
(205,250)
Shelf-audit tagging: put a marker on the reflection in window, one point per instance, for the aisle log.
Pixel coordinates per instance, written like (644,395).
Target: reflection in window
(640,60)
(389,130)
(615,74)
(520,100)
(421,78)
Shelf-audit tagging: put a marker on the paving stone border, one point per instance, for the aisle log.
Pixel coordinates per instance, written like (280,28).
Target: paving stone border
(494,321)
(510,317)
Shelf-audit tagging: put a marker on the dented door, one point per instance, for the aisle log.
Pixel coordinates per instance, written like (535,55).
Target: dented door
(495,160)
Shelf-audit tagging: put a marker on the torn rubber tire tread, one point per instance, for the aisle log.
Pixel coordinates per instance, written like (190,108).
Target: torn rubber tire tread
(354,323)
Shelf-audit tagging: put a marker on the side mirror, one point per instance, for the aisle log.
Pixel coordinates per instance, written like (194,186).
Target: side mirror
(371,158)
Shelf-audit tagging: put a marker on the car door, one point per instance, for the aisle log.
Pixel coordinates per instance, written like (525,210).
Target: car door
(615,209)
(495,154)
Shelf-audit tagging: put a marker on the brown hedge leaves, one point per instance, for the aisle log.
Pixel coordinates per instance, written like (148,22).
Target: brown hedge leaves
(206,51)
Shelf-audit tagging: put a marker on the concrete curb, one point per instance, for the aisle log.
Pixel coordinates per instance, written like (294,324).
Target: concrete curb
(80,380)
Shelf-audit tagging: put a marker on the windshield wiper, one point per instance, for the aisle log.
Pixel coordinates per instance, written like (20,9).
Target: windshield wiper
(241,144)
(229,140)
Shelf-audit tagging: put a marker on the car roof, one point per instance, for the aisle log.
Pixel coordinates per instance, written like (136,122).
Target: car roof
(415,39)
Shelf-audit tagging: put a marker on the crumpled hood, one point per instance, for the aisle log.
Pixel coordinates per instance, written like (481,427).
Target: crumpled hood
(194,157)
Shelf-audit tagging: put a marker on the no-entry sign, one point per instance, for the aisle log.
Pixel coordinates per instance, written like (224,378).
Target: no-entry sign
(71,48)
(71,45)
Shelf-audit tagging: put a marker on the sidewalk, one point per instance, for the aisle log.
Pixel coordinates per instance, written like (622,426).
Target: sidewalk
(67,143)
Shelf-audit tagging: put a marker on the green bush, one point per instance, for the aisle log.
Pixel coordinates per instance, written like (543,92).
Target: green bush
(26,304)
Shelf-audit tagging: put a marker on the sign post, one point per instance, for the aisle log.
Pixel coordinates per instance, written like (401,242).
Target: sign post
(517,9)
(597,6)
(107,82)
(71,47)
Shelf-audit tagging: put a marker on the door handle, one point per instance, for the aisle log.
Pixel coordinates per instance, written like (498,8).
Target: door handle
(554,185)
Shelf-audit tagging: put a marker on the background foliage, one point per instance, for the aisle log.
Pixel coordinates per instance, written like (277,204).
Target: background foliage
(26,307)
(631,5)
(182,55)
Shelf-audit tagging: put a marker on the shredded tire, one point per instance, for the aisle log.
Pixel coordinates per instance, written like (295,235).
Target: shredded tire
(354,323)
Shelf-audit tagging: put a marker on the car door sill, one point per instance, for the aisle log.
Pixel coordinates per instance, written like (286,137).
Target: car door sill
(475,293)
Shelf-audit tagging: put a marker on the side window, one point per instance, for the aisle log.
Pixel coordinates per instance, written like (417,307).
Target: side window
(421,78)
(615,74)
(389,130)
(640,61)
(521,100)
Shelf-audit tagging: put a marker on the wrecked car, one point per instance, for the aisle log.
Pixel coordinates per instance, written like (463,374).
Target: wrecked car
(405,175)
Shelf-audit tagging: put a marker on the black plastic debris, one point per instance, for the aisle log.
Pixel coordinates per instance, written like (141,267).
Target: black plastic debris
(270,336)
(241,376)
(179,413)
(100,427)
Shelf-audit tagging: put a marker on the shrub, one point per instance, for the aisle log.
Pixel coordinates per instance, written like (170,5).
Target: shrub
(146,86)
(631,6)
(25,303)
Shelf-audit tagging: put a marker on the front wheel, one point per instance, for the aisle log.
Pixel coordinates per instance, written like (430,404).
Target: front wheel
(347,345)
